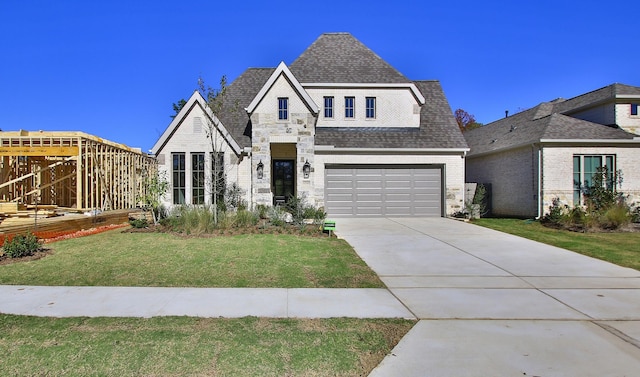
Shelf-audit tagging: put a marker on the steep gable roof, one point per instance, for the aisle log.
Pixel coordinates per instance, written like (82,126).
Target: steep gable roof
(438,128)
(341,58)
(196,100)
(282,70)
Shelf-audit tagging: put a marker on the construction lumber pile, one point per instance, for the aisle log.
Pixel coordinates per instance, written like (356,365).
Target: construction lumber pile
(64,224)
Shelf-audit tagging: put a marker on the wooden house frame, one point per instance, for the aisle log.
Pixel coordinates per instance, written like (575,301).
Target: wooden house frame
(71,169)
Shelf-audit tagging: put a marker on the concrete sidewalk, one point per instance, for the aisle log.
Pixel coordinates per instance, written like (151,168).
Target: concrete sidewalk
(200,302)
(492,304)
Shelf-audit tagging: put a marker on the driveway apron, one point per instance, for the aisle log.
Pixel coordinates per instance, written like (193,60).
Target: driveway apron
(492,304)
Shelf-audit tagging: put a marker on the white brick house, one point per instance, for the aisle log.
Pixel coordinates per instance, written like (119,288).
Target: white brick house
(552,150)
(339,126)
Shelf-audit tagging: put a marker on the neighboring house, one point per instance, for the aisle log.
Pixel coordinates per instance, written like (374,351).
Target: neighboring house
(553,150)
(338,126)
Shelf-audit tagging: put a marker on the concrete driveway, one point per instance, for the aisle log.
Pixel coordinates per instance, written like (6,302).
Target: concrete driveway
(492,304)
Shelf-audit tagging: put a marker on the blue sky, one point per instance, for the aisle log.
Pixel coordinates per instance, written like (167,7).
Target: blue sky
(114,68)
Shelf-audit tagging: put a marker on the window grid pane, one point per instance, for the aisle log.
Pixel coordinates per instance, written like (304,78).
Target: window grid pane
(218,176)
(283,108)
(328,107)
(197,178)
(349,107)
(178,178)
(371,107)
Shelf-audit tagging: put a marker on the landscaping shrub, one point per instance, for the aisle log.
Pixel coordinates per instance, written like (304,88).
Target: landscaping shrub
(245,218)
(277,216)
(616,216)
(139,223)
(605,207)
(21,246)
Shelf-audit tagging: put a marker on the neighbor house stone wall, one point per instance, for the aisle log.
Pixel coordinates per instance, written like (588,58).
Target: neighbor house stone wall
(513,176)
(558,171)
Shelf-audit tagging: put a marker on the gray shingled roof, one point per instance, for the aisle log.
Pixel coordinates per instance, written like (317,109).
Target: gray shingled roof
(438,128)
(609,92)
(341,58)
(239,95)
(532,125)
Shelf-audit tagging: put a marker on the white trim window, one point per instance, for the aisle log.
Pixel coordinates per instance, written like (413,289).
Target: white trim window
(585,167)
(328,107)
(634,109)
(283,108)
(370,110)
(197,178)
(178,178)
(349,107)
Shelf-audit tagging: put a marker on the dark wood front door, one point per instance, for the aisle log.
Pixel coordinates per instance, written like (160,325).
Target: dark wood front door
(283,180)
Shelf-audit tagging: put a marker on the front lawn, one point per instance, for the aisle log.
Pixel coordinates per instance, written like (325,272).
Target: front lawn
(621,248)
(116,258)
(181,346)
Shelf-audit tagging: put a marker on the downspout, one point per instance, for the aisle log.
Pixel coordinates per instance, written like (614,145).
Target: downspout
(540,193)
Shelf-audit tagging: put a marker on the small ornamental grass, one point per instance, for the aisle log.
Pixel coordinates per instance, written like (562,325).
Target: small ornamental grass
(21,246)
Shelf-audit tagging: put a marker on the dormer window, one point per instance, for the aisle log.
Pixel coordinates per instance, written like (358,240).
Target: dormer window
(349,105)
(283,108)
(328,107)
(634,109)
(370,109)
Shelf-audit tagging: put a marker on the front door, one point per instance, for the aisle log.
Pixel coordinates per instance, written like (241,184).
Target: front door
(283,180)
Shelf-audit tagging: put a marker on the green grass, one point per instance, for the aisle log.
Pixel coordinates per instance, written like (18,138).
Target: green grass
(621,248)
(115,258)
(181,346)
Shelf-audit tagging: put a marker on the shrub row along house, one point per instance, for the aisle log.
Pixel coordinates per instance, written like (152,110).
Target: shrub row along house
(338,126)
(553,150)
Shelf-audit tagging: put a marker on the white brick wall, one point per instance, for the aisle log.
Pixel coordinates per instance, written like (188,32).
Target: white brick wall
(513,176)
(187,139)
(558,171)
(624,119)
(394,107)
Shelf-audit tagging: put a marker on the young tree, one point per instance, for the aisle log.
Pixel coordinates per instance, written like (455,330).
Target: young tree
(178,106)
(217,103)
(157,185)
(465,120)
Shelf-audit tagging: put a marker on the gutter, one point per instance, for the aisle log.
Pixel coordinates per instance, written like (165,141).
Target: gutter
(329,148)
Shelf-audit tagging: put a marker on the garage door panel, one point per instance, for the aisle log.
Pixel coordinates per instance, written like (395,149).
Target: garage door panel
(383,191)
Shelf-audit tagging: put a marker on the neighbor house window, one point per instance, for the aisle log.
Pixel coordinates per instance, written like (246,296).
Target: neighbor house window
(349,104)
(370,107)
(328,107)
(178,181)
(584,169)
(283,108)
(218,179)
(197,178)
(634,109)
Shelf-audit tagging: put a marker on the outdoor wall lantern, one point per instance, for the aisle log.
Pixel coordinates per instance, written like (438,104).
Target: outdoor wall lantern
(260,170)
(306,169)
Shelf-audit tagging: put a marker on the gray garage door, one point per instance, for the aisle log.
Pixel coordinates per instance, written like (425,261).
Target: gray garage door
(383,190)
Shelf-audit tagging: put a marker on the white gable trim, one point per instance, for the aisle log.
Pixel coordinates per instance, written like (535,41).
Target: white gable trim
(411,86)
(282,70)
(196,99)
